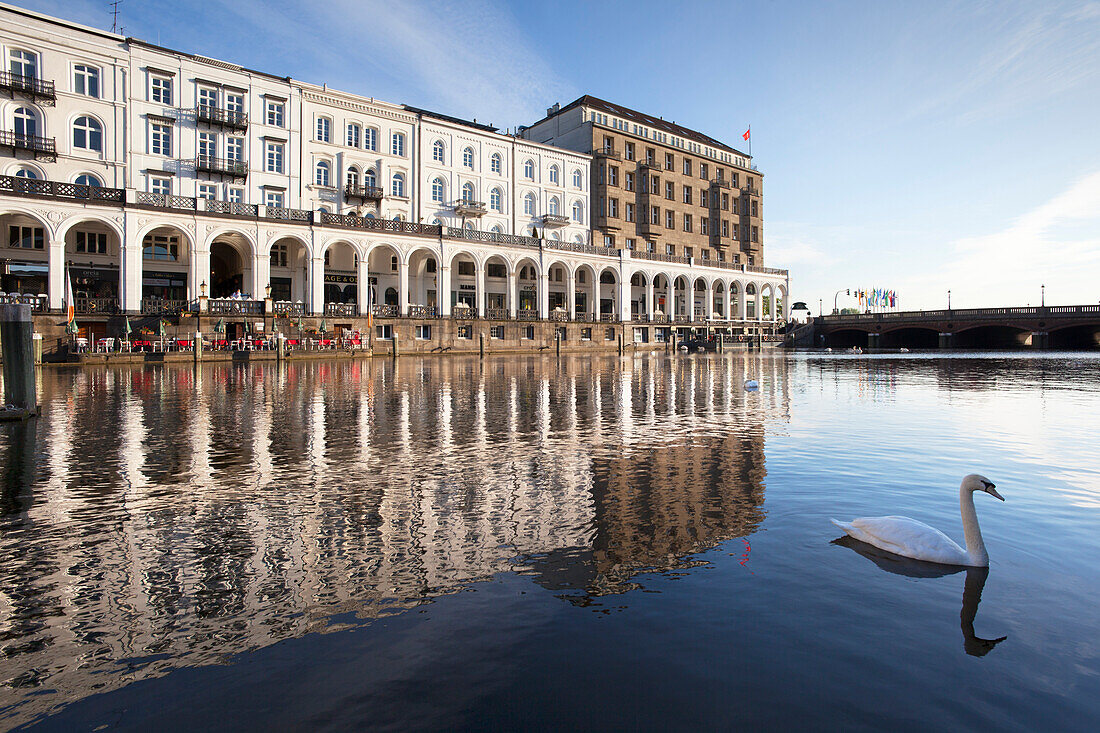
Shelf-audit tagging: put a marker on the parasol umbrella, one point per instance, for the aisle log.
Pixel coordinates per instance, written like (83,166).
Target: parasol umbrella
(219,327)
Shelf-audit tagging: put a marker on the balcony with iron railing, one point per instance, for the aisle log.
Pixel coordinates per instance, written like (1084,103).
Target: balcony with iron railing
(363,193)
(342,310)
(607,153)
(42,147)
(651,165)
(37,188)
(554,220)
(469,207)
(37,89)
(226,118)
(752,190)
(719,183)
(236,169)
(84,304)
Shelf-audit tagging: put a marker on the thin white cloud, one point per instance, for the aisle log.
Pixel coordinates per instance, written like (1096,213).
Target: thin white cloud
(1056,244)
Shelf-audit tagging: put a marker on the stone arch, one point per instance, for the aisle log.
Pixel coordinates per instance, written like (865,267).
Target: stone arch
(231,272)
(384,263)
(557,278)
(529,283)
(584,288)
(340,267)
(28,264)
(424,282)
(496,268)
(93,243)
(288,257)
(608,292)
(464,266)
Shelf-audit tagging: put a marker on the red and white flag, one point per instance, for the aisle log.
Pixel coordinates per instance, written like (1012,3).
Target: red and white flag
(747,134)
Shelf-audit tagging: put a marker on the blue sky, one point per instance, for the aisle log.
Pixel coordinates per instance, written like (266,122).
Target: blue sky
(919,146)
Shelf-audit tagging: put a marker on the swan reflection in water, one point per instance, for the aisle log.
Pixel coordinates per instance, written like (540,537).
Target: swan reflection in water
(972,589)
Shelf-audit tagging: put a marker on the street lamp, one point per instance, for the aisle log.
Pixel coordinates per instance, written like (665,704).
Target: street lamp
(202,288)
(948,300)
(846,291)
(1042,296)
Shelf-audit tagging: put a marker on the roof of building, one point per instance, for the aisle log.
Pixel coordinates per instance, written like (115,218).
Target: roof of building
(643,119)
(448,118)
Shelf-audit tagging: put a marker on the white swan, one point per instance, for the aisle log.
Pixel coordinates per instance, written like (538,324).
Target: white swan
(910,538)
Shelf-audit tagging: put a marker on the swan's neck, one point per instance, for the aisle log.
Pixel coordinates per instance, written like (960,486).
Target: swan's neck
(975,546)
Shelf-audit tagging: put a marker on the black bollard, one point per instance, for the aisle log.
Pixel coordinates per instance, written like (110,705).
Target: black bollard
(17,345)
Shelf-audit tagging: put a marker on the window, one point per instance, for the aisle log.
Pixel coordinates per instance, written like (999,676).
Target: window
(628,152)
(704,225)
(687,166)
(612,175)
(496,200)
(438,151)
(383,331)
(160,139)
(629,181)
(755,234)
(160,90)
(687,223)
(629,211)
(355,134)
(529,170)
(208,98)
(669,162)
(397,147)
(86,80)
(437,190)
(321,177)
(274,163)
(234,148)
(234,103)
(88,134)
(91,243)
(687,194)
(280,254)
(235,195)
(424,332)
(725,227)
(669,249)
(26,237)
(629,243)
(275,113)
(273,199)
(529,332)
(397,183)
(496,332)
(208,146)
(160,184)
(161,247)
(586,333)
(324,129)
(578,212)
(208,191)
(496,164)
(465,332)
(468,158)
(554,206)
(613,208)
(554,174)
(754,209)
(468,194)
(655,215)
(670,190)
(466,268)
(23,63)
(26,123)
(87,179)
(670,220)
(370,139)
(703,171)
(650,156)
(577,180)
(27,173)
(529,204)
(352,177)
(609,334)
(369,179)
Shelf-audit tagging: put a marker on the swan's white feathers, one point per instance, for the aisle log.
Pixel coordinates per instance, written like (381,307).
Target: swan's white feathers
(907,537)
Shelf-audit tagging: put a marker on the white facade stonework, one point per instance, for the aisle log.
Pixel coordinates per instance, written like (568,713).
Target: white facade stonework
(188,177)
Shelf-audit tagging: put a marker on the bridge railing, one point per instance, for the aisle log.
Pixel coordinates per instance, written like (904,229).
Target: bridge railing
(966,314)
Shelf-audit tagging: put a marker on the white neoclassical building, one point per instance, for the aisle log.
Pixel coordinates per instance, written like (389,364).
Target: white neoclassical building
(153,178)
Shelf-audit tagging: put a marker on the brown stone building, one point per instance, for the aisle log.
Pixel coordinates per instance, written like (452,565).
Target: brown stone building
(659,187)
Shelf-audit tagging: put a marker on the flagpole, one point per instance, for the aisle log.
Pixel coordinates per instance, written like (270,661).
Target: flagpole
(750,141)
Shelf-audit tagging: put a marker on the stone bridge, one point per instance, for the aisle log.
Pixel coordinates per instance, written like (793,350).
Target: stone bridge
(1043,327)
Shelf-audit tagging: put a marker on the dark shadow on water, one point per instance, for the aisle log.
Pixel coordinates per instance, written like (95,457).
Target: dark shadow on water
(16,494)
(972,588)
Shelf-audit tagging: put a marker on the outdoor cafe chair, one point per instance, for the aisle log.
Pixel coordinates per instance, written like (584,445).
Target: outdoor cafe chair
(125,345)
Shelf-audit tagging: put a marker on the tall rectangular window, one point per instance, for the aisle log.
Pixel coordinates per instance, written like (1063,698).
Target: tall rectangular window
(324,129)
(234,102)
(274,158)
(208,98)
(687,194)
(628,151)
(160,139)
(370,139)
(670,220)
(629,211)
(687,166)
(235,195)
(160,90)
(669,165)
(612,175)
(86,80)
(613,208)
(397,145)
(353,135)
(275,113)
(687,222)
(629,181)
(208,145)
(703,171)
(234,148)
(91,243)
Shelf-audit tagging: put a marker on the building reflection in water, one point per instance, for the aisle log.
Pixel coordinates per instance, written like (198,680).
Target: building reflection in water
(160,517)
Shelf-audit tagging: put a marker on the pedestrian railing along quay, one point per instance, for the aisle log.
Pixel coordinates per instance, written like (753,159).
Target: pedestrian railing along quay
(235,306)
(38,303)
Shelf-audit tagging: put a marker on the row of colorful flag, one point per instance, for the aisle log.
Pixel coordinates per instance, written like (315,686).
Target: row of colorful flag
(876,298)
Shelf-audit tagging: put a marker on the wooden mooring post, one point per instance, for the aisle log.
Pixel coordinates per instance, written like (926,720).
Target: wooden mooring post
(17,346)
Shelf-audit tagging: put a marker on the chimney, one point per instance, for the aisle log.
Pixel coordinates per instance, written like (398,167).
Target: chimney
(553,110)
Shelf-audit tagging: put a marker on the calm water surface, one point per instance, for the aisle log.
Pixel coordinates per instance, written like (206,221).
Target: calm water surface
(574,543)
